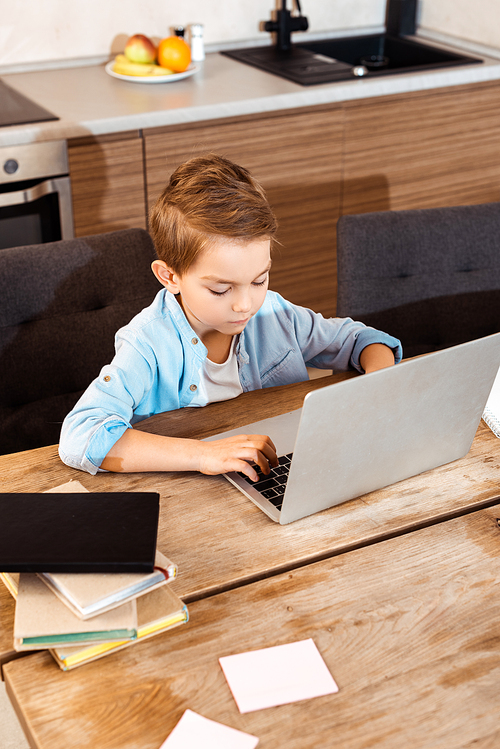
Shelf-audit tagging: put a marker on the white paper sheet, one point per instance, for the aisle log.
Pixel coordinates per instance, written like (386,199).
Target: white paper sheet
(277,675)
(193,731)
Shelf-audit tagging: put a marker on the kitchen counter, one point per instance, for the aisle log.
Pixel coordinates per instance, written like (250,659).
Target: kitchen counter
(90,102)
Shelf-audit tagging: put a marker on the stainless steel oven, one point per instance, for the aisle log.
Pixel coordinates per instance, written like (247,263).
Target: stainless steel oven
(35,194)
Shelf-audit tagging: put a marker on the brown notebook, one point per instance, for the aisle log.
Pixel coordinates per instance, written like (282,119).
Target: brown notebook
(43,621)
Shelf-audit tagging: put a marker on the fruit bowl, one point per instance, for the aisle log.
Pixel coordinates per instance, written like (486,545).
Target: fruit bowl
(191,70)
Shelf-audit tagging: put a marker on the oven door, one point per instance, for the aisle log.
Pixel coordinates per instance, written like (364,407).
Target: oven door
(35,211)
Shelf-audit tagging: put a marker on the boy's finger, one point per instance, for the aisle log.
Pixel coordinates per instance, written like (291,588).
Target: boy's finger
(264,442)
(248,470)
(265,458)
(268,448)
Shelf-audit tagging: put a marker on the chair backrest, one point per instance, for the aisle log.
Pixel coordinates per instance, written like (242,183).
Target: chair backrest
(60,305)
(431,277)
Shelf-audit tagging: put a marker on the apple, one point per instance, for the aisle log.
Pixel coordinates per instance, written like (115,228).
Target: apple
(140,48)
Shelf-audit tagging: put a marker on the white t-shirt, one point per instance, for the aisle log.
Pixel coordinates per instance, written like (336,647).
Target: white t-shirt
(219,382)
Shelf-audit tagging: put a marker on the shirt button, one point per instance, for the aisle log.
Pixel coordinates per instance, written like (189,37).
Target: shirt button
(107,378)
(194,341)
(193,388)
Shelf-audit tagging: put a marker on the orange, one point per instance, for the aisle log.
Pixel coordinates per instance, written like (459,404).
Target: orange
(174,53)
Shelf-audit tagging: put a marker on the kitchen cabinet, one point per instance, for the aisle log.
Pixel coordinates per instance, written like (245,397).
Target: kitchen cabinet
(415,150)
(297,158)
(107,183)
(422,150)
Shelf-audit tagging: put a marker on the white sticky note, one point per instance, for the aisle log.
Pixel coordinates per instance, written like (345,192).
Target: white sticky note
(194,731)
(277,675)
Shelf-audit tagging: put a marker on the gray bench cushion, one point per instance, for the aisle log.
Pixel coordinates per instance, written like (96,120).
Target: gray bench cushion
(61,304)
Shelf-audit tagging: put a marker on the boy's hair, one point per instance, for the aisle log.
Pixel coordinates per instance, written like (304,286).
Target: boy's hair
(208,198)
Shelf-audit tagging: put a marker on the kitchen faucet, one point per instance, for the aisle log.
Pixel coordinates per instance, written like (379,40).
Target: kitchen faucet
(284,24)
(331,59)
(400,21)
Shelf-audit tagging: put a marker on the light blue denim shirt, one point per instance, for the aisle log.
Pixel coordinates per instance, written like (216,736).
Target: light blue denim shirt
(159,358)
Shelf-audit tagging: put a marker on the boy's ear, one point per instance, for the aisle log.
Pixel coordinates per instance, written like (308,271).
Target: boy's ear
(165,275)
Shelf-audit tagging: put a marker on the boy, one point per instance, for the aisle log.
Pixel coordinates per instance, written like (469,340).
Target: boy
(213,332)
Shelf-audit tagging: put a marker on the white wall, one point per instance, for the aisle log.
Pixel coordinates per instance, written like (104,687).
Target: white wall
(472,20)
(44,30)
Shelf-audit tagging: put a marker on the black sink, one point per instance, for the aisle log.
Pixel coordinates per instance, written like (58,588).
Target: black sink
(398,54)
(331,60)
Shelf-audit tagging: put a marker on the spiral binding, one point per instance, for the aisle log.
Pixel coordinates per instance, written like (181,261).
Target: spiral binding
(491,414)
(492,421)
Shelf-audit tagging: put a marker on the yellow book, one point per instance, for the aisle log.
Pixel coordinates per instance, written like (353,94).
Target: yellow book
(157,612)
(11,582)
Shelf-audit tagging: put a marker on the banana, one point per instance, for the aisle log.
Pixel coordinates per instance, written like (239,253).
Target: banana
(158,70)
(123,66)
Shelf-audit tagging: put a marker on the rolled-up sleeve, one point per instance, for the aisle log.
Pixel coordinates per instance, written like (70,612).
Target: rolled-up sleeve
(366,336)
(106,409)
(85,449)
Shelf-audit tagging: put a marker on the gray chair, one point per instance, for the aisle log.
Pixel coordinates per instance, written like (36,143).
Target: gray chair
(430,277)
(60,306)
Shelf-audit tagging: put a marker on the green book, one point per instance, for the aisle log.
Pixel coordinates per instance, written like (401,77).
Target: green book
(43,621)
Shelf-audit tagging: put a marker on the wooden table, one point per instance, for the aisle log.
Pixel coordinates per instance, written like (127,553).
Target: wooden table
(408,627)
(7,652)
(220,540)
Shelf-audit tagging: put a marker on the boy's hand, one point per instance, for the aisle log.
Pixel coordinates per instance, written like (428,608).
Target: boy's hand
(238,453)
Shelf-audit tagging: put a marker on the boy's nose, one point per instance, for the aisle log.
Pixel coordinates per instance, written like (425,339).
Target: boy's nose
(242,303)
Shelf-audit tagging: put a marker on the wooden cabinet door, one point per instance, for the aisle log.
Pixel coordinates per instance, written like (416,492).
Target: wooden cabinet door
(423,150)
(107,183)
(297,158)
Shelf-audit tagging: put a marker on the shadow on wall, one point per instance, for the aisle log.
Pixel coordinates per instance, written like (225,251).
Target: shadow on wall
(304,263)
(107,184)
(366,195)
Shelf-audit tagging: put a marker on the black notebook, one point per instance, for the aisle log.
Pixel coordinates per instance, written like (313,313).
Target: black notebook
(76,532)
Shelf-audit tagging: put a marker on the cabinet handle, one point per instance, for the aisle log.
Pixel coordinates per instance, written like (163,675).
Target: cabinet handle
(28,196)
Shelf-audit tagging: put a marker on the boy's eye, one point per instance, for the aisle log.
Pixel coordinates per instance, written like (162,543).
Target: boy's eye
(221,293)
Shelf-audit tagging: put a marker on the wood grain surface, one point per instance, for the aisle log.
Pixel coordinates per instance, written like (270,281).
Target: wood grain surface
(415,150)
(422,150)
(408,628)
(107,183)
(219,538)
(7,610)
(297,158)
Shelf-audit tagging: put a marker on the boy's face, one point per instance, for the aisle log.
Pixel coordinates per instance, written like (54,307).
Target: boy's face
(224,288)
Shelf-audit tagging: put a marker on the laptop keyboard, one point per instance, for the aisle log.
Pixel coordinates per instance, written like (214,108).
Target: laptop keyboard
(272,486)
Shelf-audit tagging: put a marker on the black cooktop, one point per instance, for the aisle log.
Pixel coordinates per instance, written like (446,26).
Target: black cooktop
(16,109)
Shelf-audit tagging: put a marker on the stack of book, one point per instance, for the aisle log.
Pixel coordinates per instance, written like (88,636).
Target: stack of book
(82,616)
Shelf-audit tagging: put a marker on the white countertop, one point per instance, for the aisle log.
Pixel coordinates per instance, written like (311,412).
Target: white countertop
(90,102)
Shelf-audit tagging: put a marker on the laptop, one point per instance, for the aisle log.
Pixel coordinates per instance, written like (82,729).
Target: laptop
(371,431)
